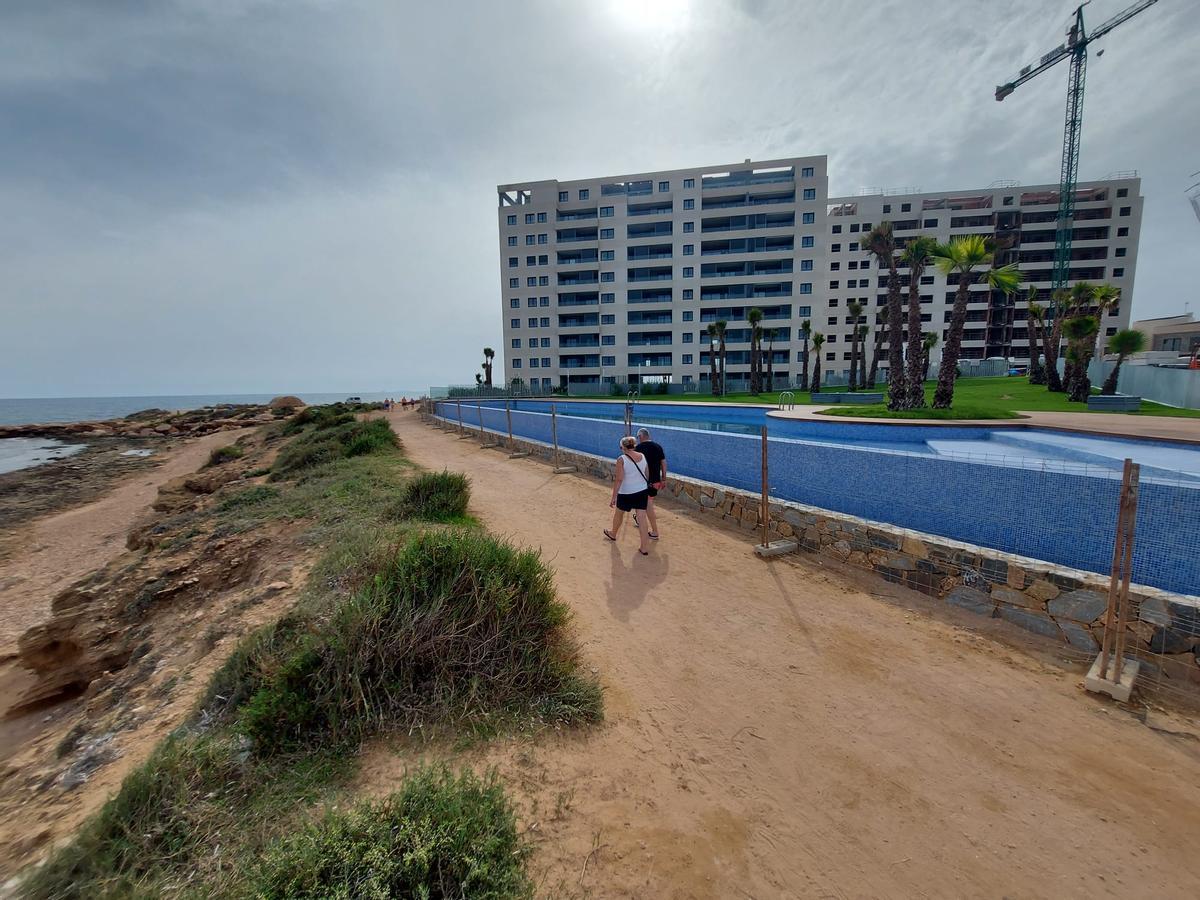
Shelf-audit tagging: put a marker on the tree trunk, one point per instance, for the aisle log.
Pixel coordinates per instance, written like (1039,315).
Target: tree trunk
(1050,351)
(712,371)
(896,386)
(924,366)
(943,397)
(873,374)
(853,384)
(723,369)
(915,396)
(816,378)
(755,362)
(1110,383)
(771,366)
(804,371)
(1081,385)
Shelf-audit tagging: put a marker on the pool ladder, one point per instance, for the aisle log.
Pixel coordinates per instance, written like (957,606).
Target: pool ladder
(787,399)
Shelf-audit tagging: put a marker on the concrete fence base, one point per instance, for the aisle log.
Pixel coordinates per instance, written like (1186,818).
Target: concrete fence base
(1064,604)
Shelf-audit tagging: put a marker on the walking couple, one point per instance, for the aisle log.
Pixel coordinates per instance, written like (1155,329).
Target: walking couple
(639,474)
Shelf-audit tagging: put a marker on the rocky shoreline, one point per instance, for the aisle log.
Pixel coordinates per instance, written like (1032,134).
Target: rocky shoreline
(159,422)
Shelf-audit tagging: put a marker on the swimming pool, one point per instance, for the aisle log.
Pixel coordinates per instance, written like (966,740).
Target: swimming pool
(1044,494)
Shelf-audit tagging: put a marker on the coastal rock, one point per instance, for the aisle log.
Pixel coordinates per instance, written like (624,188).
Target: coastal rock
(287,401)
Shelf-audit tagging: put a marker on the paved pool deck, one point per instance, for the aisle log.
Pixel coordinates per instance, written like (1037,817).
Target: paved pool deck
(1163,428)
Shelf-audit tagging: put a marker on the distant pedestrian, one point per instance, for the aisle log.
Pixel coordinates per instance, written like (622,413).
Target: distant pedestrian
(656,463)
(631,491)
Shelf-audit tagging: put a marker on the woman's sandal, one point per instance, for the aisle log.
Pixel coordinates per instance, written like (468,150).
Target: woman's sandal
(643,552)
(608,534)
(652,535)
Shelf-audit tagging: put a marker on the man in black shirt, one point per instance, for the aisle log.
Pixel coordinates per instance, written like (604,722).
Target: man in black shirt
(656,461)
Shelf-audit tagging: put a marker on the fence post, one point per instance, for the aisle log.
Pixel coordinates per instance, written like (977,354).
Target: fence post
(559,469)
(765,513)
(458,404)
(484,441)
(513,452)
(462,427)
(1117,613)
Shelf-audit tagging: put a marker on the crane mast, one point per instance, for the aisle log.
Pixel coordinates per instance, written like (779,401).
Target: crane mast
(1074,49)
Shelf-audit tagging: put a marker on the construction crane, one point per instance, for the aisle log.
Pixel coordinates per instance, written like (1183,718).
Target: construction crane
(1193,195)
(1074,49)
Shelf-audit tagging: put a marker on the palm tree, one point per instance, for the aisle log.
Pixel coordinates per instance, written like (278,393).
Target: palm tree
(854,308)
(1035,321)
(1124,343)
(1105,297)
(917,255)
(862,330)
(713,380)
(754,317)
(881,243)
(1080,301)
(818,341)
(488,355)
(927,344)
(805,332)
(1059,301)
(1081,333)
(721,326)
(962,256)
(873,373)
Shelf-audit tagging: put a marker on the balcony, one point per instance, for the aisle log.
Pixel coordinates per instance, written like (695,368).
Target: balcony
(650,209)
(580,361)
(659,317)
(628,188)
(575,235)
(736,313)
(650,273)
(748,245)
(579,298)
(744,269)
(748,223)
(649,339)
(746,291)
(1077,234)
(650,359)
(785,175)
(648,229)
(577,215)
(649,251)
(730,202)
(577,257)
(579,320)
(570,278)
(649,295)
(579,340)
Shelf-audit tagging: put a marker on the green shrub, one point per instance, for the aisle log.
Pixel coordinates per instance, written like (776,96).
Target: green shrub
(225,454)
(322,445)
(253,496)
(439,836)
(435,497)
(456,626)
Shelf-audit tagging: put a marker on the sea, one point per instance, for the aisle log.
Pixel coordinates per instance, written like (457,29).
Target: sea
(20,411)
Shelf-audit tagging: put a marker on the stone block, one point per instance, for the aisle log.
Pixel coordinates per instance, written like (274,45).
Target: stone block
(914,548)
(1015,598)
(775,548)
(709,502)
(891,576)
(858,558)
(1042,590)
(1065,582)
(1155,611)
(1078,636)
(840,549)
(901,563)
(994,570)
(1079,606)
(972,600)
(1038,623)
(1170,640)
(1102,683)
(794,518)
(1185,617)
(883,540)
(1017,577)
(925,582)
(783,528)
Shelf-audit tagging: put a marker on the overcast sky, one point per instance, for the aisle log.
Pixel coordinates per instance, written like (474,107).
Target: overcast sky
(242,196)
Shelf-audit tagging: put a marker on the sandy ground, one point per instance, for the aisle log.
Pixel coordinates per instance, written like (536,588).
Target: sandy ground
(791,729)
(54,551)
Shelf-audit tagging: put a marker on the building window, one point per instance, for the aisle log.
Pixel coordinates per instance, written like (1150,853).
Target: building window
(533,363)
(887,208)
(543,260)
(687,337)
(513,262)
(543,281)
(541,217)
(1119,272)
(512,240)
(512,220)
(516,343)
(530,239)
(531,322)
(687,358)
(606,234)
(664,186)
(608,361)
(545,342)
(804,310)
(563,196)
(531,302)
(1122,231)
(689,227)
(689,183)
(833,286)
(837,229)
(687,315)
(905,207)
(1120,251)
(834,266)
(806,265)
(689,249)
(544,301)
(687,294)
(810,193)
(514,282)
(1122,192)
(608,319)
(806,287)
(807,218)
(854,227)
(806,172)
(545,362)
(1008,201)
(835,248)
(516,364)
(806,241)
(832,320)
(926,279)
(854,246)
(929,223)
(584,193)
(1126,210)
(607,254)
(608,276)
(514,323)
(531,281)
(606,212)
(528,218)
(608,340)
(688,272)
(543,239)
(689,204)
(514,303)
(608,298)
(531,260)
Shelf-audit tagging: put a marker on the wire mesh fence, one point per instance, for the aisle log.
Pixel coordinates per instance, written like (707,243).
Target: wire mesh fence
(1052,511)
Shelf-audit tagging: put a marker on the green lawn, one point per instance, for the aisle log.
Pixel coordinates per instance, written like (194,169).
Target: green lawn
(974,398)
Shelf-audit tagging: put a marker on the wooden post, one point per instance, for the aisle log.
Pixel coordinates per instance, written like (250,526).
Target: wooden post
(765,513)
(1116,614)
(559,468)
(508,416)
(458,403)
(1127,573)
(1110,614)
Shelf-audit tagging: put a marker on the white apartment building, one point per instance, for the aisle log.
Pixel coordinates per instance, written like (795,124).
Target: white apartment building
(616,279)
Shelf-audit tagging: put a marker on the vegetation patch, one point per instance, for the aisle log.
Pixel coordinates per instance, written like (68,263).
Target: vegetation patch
(225,454)
(250,497)
(439,836)
(326,442)
(457,627)
(435,497)
(958,411)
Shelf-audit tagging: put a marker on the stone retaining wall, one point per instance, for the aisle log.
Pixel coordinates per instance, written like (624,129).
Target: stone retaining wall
(1064,604)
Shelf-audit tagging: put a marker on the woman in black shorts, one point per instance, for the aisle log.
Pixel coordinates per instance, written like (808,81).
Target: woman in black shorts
(631,490)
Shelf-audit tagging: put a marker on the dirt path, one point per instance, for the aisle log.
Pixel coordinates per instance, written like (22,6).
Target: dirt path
(53,551)
(774,730)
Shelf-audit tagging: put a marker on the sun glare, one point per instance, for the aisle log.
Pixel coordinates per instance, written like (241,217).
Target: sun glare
(650,16)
